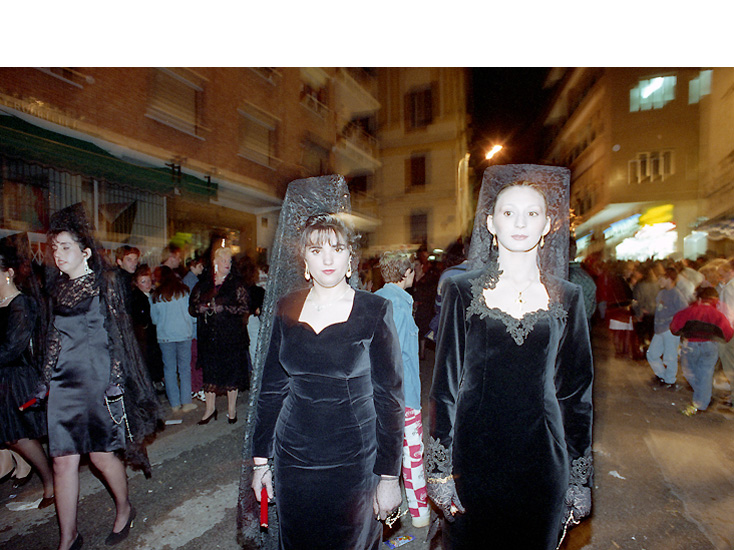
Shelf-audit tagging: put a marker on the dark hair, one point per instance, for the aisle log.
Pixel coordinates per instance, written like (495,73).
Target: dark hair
(170,286)
(74,221)
(125,250)
(671,273)
(8,258)
(394,264)
(706,293)
(319,227)
(143,270)
(170,250)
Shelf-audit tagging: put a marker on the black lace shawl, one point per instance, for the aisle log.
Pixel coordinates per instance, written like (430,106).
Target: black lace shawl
(127,368)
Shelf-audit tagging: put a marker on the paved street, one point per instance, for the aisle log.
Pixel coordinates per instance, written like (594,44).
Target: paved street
(663,481)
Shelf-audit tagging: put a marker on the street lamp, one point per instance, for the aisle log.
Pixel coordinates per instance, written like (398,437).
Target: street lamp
(493,151)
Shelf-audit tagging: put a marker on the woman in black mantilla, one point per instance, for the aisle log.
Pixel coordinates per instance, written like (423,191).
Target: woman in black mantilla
(101,401)
(20,359)
(509,457)
(220,303)
(330,412)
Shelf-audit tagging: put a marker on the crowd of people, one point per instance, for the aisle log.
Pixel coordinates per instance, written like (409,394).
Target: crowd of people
(671,313)
(90,345)
(329,347)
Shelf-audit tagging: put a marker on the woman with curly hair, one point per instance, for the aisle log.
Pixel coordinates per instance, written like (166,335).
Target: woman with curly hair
(100,399)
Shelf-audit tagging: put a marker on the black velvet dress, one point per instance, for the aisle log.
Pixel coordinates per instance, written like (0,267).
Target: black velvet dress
(331,414)
(18,376)
(511,403)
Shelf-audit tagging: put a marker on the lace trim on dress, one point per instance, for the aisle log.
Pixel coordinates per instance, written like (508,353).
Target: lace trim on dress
(578,495)
(518,328)
(438,459)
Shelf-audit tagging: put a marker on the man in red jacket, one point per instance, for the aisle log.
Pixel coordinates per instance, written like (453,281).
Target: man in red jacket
(701,325)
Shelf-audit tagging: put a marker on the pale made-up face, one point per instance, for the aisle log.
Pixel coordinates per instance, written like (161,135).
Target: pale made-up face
(222,265)
(328,261)
(69,256)
(519,219)
(129,263)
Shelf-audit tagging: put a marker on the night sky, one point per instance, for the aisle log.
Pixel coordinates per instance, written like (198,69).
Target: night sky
(507,103)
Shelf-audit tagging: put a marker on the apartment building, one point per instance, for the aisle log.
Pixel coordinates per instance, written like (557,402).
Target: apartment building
(422,188)
(631,138)
(716,229)
(161,154)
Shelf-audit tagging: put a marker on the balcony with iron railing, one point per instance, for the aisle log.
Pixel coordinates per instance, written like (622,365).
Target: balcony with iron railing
(356,91)
(364,203)
(311,102)
(357,150)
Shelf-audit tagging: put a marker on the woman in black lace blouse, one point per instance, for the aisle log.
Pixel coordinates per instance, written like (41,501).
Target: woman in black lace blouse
(220,303)
(509,458)
(20,430)
(101,401)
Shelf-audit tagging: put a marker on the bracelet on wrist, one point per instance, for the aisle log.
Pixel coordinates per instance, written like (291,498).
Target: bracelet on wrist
(260,466)
(439,479)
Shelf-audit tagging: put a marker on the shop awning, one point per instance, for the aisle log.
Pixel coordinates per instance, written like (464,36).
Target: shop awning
(30,143)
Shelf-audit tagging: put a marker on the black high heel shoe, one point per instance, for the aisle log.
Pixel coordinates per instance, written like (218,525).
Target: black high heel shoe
(18,482)
(232,420)
(116,538)
(78,541)
(208,418)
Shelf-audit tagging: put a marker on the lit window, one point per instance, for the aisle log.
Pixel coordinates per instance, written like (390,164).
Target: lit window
(174,101)
(258,135)
(650,166)
(652,94)
(699,86)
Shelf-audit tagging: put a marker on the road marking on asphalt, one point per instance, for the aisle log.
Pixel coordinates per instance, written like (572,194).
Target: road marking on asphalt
(191,519)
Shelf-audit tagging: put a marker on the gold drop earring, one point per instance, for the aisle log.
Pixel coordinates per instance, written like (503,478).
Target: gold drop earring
(542,241)
(349,271)
(494,240)
(307,273)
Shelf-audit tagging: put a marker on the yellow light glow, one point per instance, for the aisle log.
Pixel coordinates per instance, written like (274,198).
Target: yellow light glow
(493,151)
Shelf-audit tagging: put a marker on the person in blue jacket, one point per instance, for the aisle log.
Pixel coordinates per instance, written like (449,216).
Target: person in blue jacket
(398,274)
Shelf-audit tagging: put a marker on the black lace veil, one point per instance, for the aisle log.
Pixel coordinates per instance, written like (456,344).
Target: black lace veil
(303,199)
(553,182)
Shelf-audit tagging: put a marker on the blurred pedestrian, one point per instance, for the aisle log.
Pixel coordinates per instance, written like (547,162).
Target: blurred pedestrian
(701,325)
(127,258)
(663,351)
(143,326)
(196,268)
(726,306)
(643,309)
(398,272)
(169,312)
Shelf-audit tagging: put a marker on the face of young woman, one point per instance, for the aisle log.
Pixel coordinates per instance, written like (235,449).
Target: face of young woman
(328,261)
(519,219)
(69,256)
(144,283)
